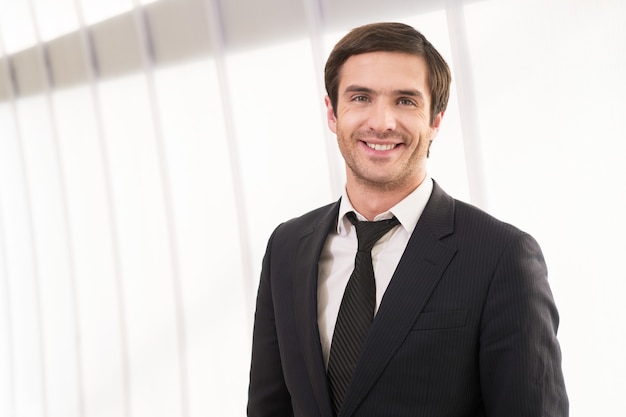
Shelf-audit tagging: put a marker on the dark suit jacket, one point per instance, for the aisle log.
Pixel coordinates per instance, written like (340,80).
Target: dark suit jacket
(467,326)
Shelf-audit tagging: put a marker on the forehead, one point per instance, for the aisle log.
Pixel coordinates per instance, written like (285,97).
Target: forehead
(385,71)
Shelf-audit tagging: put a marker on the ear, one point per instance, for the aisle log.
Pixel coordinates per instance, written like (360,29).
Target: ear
(330,115)
(434,128)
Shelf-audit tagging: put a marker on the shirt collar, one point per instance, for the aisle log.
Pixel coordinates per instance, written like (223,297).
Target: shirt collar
(408,211)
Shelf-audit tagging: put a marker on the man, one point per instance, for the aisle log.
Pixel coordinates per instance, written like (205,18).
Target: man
(463,320)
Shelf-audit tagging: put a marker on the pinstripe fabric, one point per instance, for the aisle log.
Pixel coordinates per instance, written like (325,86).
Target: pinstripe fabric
(356,310)
(467,326)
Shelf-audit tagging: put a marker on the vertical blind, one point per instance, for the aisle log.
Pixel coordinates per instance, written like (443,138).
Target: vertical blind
(149,148)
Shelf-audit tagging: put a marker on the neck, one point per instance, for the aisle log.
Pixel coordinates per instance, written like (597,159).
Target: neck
(372,201)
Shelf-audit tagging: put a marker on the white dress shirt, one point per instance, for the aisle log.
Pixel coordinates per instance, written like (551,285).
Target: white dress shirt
(337,259)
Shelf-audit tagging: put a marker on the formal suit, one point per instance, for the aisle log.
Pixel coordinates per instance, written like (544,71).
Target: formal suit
(466,327)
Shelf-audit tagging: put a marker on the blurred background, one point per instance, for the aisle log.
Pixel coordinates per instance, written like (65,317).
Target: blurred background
(149,148)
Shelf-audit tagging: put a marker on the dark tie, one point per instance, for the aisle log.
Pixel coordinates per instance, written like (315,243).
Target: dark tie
(357,309)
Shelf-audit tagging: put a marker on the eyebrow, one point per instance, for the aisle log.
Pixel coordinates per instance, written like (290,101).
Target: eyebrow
(360,89)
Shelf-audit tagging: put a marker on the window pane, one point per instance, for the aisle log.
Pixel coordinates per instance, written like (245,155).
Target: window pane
(144,246)
(16,27)
(94,257)
(216,309)
(55,18)
(21,310)
(281,141)
(95,11)
(53,256)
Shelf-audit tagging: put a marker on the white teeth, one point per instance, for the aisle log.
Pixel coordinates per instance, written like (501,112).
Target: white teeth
(378,147)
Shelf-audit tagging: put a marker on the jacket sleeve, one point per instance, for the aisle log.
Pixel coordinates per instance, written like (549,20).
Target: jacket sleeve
(267,393)
(520,357)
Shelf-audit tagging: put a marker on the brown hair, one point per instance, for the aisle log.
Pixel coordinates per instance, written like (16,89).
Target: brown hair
(390,37)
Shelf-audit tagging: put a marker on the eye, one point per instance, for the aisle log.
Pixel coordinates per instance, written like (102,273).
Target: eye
(360,98)
(407,102)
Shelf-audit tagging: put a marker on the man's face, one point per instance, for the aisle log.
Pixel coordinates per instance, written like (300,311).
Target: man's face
(383,120)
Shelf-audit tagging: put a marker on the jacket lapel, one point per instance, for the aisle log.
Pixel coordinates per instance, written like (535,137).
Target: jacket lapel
(305,300)
(422,265)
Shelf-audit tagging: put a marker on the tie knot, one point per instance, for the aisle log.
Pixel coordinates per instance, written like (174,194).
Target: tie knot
(368,233)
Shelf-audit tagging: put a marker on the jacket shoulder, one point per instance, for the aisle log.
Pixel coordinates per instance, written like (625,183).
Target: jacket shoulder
(478,222)
(307,222)
(446,216)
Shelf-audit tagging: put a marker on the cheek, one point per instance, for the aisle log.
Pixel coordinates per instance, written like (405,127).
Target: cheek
(343,129)
(351,119)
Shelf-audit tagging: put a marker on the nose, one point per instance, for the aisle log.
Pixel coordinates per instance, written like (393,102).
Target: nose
(382,117)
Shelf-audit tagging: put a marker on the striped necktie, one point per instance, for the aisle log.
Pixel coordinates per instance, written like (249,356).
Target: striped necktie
(357,309)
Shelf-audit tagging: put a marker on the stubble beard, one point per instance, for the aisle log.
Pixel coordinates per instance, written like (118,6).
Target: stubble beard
(402,176)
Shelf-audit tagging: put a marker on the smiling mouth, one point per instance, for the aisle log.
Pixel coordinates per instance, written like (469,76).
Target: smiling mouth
(380,147)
